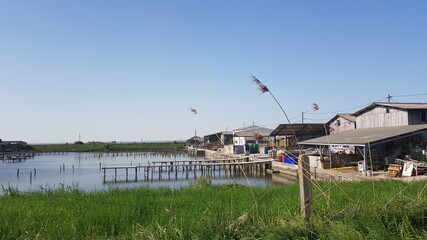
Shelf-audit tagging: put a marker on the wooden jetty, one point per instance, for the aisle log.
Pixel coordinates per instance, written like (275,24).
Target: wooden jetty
(16,157)
(158,169)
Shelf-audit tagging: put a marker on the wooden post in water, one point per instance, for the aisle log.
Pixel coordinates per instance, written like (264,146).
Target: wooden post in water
(31,177)
(305,187)
(17,173)
(152,173)
(136,174)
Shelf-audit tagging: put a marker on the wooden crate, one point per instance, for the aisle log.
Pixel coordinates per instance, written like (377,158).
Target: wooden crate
(394,170)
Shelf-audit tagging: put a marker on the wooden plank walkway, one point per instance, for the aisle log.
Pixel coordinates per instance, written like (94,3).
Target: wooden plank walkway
(16,157)
(187,166)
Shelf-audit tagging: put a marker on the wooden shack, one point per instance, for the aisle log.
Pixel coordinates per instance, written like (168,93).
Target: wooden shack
(391,114)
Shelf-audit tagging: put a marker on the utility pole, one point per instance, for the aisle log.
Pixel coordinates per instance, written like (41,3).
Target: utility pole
(302,117)
(195,138)
(388,97)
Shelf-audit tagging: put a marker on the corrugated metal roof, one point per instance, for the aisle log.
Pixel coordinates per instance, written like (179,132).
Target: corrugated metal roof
(406,106)
(363,136)
(253,129)
(349,117)
(300,129)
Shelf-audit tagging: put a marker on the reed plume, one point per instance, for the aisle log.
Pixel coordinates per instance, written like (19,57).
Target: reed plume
(315,107)
(193,110)
(263,89)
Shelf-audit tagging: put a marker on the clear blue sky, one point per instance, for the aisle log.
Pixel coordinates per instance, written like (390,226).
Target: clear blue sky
(126,70)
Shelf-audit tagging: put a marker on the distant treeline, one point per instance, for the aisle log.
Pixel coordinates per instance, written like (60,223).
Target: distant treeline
(101,146)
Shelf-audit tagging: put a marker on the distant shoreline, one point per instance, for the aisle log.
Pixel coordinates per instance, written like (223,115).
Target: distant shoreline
(103,147)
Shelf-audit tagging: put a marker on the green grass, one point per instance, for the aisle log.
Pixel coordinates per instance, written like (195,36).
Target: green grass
(352,210)
(100,146)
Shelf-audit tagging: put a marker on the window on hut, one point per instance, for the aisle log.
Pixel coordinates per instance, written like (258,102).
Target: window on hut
(424,116)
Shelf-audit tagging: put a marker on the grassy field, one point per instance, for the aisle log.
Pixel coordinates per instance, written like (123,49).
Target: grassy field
(100,146)
(357,210)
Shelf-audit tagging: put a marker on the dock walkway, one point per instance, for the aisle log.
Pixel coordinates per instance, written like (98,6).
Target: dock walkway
(204,167)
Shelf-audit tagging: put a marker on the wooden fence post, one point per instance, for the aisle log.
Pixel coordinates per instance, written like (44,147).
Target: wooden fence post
(305,187)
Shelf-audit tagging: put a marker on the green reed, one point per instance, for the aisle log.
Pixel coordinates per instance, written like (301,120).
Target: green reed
(350,210)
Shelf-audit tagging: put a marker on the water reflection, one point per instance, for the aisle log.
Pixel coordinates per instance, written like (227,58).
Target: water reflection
(84,171)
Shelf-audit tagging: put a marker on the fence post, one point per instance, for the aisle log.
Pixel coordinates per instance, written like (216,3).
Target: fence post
(305,187)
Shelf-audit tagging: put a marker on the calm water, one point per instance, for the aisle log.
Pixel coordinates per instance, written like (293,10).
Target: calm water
(82,171)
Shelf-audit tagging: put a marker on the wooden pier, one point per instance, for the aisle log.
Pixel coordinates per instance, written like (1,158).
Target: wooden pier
(164,169)
(16,157)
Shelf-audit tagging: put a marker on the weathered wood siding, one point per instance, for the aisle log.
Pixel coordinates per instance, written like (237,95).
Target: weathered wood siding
(379,117)
(341,125)
(415,117)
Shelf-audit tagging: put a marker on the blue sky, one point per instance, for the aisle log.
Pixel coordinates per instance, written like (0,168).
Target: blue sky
(126,70)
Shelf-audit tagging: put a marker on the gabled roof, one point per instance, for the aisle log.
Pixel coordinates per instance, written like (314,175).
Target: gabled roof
(248,128)
(364,136)
(253,129)
(347,116)
(300,129)
(404,106)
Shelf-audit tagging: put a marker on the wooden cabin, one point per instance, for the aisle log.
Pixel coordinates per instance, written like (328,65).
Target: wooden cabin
(219,139)
(391,115)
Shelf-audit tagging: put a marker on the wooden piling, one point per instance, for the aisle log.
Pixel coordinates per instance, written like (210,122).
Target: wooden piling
(305,188)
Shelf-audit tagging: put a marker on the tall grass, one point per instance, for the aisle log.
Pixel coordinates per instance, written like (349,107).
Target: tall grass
(360,210)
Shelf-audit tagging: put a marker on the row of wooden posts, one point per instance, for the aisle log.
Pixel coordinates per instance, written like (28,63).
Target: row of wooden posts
(34,172)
